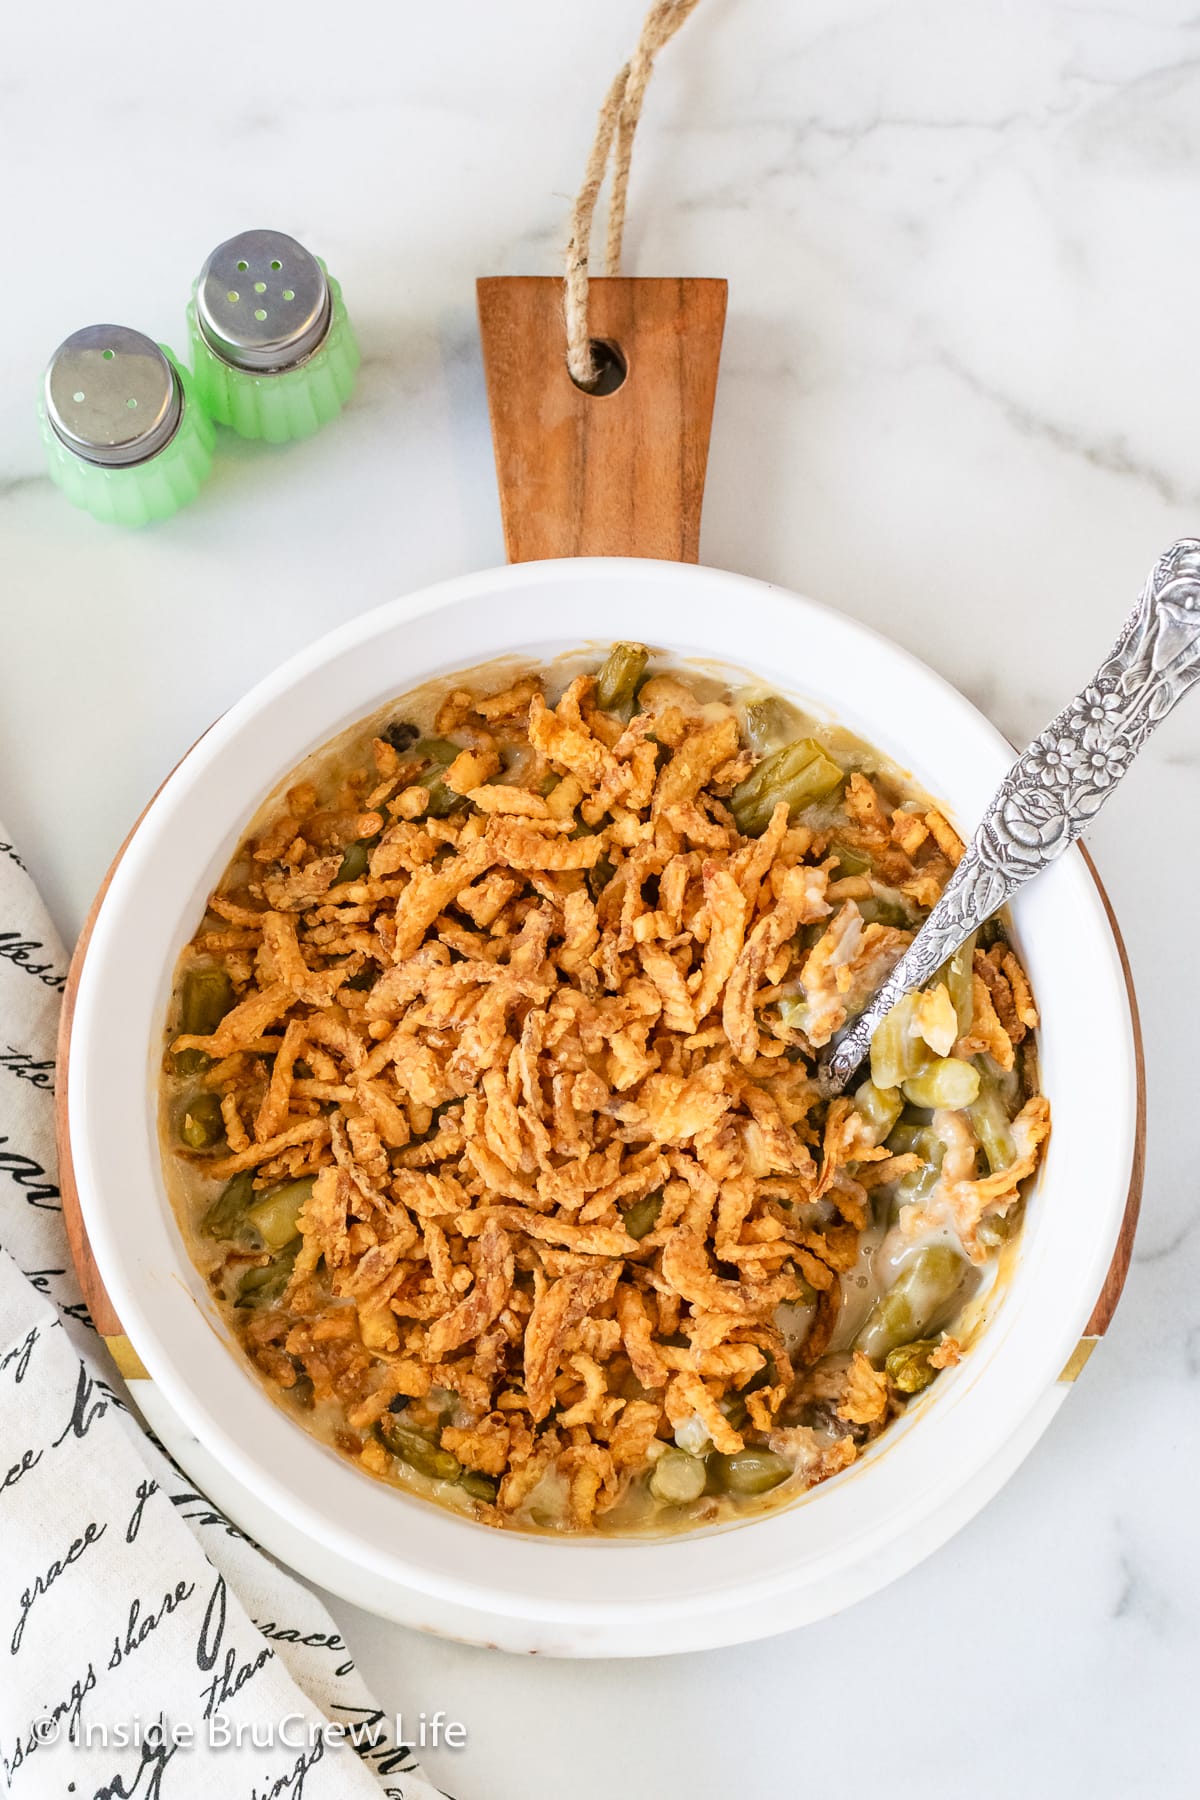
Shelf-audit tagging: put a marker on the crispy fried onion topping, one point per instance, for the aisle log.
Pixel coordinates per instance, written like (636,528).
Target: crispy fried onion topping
(530,1026)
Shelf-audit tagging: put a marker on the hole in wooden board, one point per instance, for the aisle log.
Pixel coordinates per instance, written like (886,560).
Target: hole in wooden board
(612,368)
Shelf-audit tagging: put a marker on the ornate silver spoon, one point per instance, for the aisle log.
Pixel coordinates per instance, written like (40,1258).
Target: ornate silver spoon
(1056,787)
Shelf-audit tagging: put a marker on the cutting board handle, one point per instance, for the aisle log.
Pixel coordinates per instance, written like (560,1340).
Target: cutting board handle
(619,472)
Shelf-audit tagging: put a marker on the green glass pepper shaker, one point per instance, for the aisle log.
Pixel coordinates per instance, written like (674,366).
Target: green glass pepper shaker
(273,349)
(124,436)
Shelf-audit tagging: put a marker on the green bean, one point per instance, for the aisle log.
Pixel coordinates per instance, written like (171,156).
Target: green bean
(799,773)
(226,1217)
(749,1471)
(206,996)
(201,1125)
(990,1122)
(439,753)
(263,1285)
(418,1450)
(932,1146)
(276,1215)
(850,862)
(920,1183)
(913,1189)
(617,682)
(436,750)
(1007,1082)
(816,781)
(947,1082)
(908,1367)
(897,1053)
(878,909)
(916,1187)
(779,767)
(880,1107)
(959,977)
(642,1216)
(795,1013)
(677,1477)
(904,1138)
(771,722)
(355,859)
(916,1300)
(443,801)
(479,1486)
(997,1228)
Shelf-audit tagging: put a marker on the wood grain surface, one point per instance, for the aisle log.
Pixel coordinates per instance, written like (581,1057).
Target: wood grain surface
(618,474)
(104,1313)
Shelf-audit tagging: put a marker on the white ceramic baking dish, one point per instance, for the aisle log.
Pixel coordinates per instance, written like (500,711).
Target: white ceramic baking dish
(595,1597)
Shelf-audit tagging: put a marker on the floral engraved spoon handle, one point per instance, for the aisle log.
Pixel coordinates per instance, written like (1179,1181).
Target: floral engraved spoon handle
(1056,787)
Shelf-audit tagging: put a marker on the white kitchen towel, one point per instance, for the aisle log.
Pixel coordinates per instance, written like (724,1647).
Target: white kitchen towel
(147,1648)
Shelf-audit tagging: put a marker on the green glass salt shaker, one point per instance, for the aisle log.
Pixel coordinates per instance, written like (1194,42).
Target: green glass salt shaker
(124,436)
(273,349)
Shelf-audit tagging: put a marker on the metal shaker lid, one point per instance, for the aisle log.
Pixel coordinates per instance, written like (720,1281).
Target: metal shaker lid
(111,395)
(262,302)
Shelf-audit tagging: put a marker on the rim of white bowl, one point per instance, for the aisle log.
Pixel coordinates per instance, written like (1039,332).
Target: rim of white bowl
(936,1449)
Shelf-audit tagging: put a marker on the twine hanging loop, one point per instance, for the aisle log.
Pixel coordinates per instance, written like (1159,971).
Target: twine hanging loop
(615,130)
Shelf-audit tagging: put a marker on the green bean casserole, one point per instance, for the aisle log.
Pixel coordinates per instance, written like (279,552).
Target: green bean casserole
(488,1099)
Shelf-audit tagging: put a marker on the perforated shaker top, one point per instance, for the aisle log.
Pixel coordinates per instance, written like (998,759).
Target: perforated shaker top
(262,302)
(111,395)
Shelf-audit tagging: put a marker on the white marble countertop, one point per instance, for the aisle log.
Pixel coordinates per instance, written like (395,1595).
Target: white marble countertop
(957,399)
